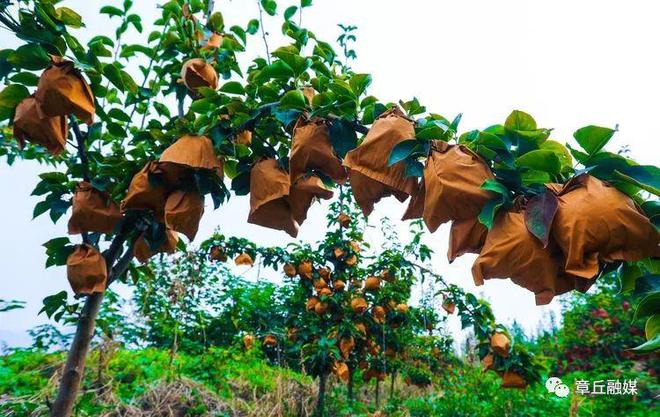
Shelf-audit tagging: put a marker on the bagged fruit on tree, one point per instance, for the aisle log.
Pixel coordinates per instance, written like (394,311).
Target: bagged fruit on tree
(269,202)
(244,259)
(311,149)
(194,152)
(466,236)
(340,369)
(86,270)
(513,380)
(453,177)
(92,211)
(510,251)
(29,125)
(303,193)
(371,177)
(595,222)
(183,211)
(143,251)
(62,91)
(147,191)
(196,73)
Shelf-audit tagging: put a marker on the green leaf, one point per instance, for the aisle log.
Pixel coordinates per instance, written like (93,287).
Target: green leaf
(496,187)
(342,136)
(414,168)
(519,120)
(628,274)
(359,83)
(541,160)
(113,74)
(31,57)
(10,97)
(593,138)
(489,211)
(648,306)
(290,12)
(293,99)
(305,3)
(252,27)
(216,22)
(405,148)
(68,17)
(649,346)
(119,115)
(232,87)
(25,78)
(646,177)
(647,284)
(539,214)
(111,11)
(270,6)
(652,327)
(561,151)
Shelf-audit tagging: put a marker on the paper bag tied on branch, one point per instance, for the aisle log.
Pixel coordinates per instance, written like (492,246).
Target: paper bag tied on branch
(196,73)
(62,90)
(194,152)
(311,149)
(29,125)
(86,270)
(596,222)
(510,251)
(183,212)
(371,178)
(269,202)
(93,211)
(147,191)
(466,236)
(303,193)
(143,252)
(453,177)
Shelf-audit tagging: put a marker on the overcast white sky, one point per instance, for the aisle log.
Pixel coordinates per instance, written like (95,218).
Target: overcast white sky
(568,63)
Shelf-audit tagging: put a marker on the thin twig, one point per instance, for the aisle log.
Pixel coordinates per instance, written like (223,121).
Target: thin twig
(263,31)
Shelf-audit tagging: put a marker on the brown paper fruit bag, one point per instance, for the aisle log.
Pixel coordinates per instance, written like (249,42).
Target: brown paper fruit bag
(596,222)
(453,177)
(303,193)
(86,270)
(513,380)
(269,192)
(214,41)
(340,369)
(145,193)
(143,252)
(196,73)
(311,149)
(183,211)
(62,91)
(29,125)
(194,152)
(466,236)
(510,251)
(93,211)
(371,178)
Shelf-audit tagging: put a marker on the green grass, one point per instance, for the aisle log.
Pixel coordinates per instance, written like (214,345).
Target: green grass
(231,378)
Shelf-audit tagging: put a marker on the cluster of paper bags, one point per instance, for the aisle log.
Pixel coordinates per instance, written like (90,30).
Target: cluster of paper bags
(594,223)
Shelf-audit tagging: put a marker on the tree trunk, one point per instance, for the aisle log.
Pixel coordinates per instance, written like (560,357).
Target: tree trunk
(75,362)
(392,385)
(320,412)
(377,393)
(350,384)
